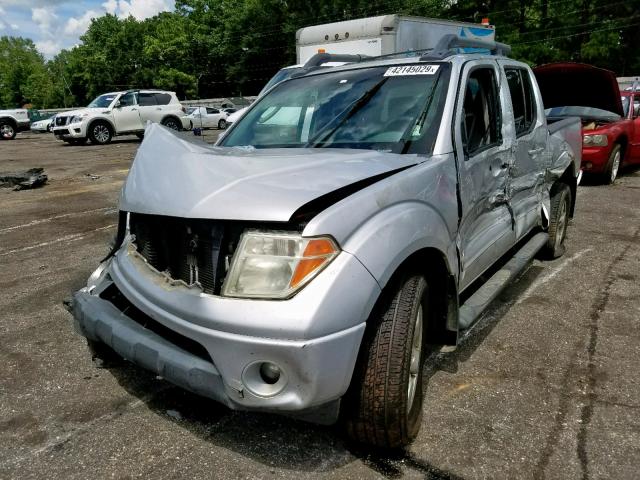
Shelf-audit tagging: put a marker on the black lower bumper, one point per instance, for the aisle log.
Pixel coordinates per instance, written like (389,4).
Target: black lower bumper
(100,320)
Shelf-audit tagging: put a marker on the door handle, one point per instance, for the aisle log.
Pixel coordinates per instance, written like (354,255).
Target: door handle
(158,108)
(536,151)
(134,109)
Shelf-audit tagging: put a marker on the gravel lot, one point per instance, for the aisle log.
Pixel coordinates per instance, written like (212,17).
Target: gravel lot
(545,386)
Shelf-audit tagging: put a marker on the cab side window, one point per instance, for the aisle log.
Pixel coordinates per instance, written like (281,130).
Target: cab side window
(522,99)
(128,100)
(481,121)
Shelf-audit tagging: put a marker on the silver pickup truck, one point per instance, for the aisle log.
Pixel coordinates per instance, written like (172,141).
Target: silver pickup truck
(352,217)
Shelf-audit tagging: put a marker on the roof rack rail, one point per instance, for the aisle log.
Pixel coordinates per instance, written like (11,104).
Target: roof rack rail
(448,43)
(320,58)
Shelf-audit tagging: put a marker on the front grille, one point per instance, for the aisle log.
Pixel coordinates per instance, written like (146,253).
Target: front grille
(64,131)
(187,250)
(61,121)
(196,251)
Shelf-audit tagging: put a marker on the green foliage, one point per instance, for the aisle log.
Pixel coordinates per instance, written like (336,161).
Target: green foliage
(213,48)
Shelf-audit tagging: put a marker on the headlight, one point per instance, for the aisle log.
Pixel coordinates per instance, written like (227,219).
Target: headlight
(276,265)
(77,119)
(596,140)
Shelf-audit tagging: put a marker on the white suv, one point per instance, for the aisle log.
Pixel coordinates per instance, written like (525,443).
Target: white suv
(120,113)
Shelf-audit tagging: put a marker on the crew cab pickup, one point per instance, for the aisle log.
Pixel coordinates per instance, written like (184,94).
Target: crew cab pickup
(302,265)
(12,122)
(610,119)
(120,113)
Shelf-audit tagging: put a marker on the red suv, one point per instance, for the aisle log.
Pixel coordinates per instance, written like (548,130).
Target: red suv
(610,119)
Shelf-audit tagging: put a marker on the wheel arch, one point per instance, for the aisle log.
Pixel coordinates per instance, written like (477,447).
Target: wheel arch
(569,177)
(11,120)
(103,120)
(623,141)
(442,325)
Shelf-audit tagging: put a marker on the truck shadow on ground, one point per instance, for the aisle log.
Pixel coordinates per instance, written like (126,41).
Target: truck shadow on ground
(283,443)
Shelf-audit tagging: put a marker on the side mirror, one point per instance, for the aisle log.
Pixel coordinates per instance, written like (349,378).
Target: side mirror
(118,104)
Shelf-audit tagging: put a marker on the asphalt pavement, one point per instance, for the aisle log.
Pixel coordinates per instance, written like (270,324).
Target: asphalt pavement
(545,386)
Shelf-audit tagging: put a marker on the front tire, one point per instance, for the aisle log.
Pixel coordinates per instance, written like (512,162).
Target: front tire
(383,407)
(7,130)
(559,221)
(613,165)
(100,133)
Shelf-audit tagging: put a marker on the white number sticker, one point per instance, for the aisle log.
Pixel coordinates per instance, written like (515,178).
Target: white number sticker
(411,70)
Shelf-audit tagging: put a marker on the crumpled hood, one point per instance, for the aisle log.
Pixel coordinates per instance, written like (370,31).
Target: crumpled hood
(184,178)
(567,84)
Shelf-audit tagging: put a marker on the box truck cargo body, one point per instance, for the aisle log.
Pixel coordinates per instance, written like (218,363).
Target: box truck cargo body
(383,35)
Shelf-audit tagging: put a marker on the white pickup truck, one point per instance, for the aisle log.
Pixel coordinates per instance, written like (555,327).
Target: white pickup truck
(12,122)
(120,113)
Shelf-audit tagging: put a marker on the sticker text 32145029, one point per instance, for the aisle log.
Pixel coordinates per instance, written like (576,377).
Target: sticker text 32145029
(411,70)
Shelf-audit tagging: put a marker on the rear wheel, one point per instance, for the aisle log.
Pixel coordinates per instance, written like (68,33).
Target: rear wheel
(7,130)
(559,221)
(100,133)
(613,165)
(222,124)
(171,123)
(383,407)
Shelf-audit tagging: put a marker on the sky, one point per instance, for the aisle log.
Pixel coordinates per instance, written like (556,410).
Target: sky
(57,24)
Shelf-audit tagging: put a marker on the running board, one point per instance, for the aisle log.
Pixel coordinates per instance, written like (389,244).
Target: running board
(471,310)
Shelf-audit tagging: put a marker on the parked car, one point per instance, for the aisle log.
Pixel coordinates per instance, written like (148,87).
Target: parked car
(302,264)
(44,125)
(208,117)
(12,122)
(610,122)
(120,113)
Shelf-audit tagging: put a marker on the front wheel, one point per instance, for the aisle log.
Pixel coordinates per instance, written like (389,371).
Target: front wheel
(7,130)
(613,165)
(222,124)
(559,221)
(383,406)
(100,133)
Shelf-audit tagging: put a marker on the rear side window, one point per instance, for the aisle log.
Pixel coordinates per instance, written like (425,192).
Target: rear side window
(146,99)
(212,110)
(481,121)
(522,99)
(162,98)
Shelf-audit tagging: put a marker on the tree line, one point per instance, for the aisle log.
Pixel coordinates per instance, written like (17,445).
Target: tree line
(215,48)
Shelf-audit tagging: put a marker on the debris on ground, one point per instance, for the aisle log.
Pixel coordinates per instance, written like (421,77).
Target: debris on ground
(174,414)
(32,178)
(92,176)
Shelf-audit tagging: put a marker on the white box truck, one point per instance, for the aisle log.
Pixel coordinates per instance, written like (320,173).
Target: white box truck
(383,35)
(373,37)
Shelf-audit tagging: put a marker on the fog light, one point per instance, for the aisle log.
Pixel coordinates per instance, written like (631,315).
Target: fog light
(270,373)
(264,378)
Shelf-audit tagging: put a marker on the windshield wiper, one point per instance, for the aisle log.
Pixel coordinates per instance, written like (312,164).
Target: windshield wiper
(353,108)
(421,119)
